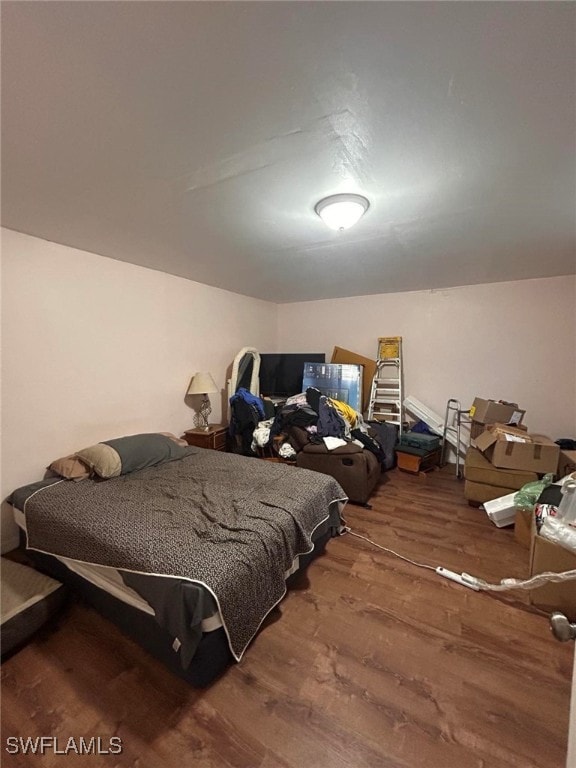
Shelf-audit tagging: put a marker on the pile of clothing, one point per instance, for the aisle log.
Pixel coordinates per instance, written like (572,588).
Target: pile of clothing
(323,418)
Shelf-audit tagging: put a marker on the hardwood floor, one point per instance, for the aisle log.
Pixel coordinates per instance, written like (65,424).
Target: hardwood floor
(373,663)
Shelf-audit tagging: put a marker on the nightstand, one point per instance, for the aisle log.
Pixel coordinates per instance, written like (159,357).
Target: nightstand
(214,437)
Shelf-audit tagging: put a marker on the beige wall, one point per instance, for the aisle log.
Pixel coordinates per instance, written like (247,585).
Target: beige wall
(513,341)
(93,348)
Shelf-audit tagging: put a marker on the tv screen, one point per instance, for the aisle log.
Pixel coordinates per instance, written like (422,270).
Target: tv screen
(281,374)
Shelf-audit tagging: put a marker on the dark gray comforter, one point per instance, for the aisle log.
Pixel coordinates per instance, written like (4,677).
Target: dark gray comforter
(231,523)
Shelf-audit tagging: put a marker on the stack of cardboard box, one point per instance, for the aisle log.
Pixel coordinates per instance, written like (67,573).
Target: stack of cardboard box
(504,456)
(484,481)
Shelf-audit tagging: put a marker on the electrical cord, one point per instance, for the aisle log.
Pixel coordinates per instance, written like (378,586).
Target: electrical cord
(473,582)
(385,549)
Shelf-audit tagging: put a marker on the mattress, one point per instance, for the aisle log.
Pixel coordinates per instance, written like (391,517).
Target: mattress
(110,581)
(221,530)
(200,546)
(104,589)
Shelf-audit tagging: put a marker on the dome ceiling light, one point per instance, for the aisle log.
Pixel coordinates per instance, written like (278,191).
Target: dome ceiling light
(341,211)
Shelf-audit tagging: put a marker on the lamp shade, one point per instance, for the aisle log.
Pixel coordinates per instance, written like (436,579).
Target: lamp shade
(342,211)
(202,384)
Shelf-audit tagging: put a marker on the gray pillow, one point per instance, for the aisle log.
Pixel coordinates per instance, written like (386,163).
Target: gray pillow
(122,455)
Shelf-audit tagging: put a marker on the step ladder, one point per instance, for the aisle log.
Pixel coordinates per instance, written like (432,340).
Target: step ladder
(386,395)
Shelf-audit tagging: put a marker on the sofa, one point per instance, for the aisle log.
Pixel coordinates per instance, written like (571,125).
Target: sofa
(355,468)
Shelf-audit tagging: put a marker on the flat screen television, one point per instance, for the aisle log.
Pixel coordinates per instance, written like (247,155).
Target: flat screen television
(281,374)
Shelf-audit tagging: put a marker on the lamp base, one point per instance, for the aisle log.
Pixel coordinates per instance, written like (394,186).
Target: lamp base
(201,418)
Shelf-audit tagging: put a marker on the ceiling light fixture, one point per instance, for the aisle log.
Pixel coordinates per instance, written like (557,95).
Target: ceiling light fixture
(341,211)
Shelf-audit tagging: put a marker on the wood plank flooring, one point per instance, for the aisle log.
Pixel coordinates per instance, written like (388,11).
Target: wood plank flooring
(372,663)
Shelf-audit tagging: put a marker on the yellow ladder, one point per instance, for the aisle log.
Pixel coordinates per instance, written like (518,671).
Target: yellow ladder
(386,395)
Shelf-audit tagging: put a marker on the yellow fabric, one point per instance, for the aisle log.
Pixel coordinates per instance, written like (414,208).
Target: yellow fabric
(346,412)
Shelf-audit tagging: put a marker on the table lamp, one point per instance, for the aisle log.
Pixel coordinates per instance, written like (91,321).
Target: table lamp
(202,384)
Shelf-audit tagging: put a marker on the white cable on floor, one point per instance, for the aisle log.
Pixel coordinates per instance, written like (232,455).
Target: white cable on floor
(473,582)
(385,549)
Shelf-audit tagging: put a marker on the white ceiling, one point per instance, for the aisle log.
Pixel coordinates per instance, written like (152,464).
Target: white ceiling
(196,137)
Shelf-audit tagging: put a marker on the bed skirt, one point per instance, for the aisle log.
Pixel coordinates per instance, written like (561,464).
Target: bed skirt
(212,656)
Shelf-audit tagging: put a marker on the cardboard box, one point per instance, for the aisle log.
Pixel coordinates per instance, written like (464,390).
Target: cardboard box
(519,431)
(510,448)
(485,482)
(344,356)
(566,463)
(490,412)
(478,469)
(477,494)
(476,429)
(545,556)
(523,527)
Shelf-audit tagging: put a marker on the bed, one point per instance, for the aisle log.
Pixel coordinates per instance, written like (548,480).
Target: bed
(185,549)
